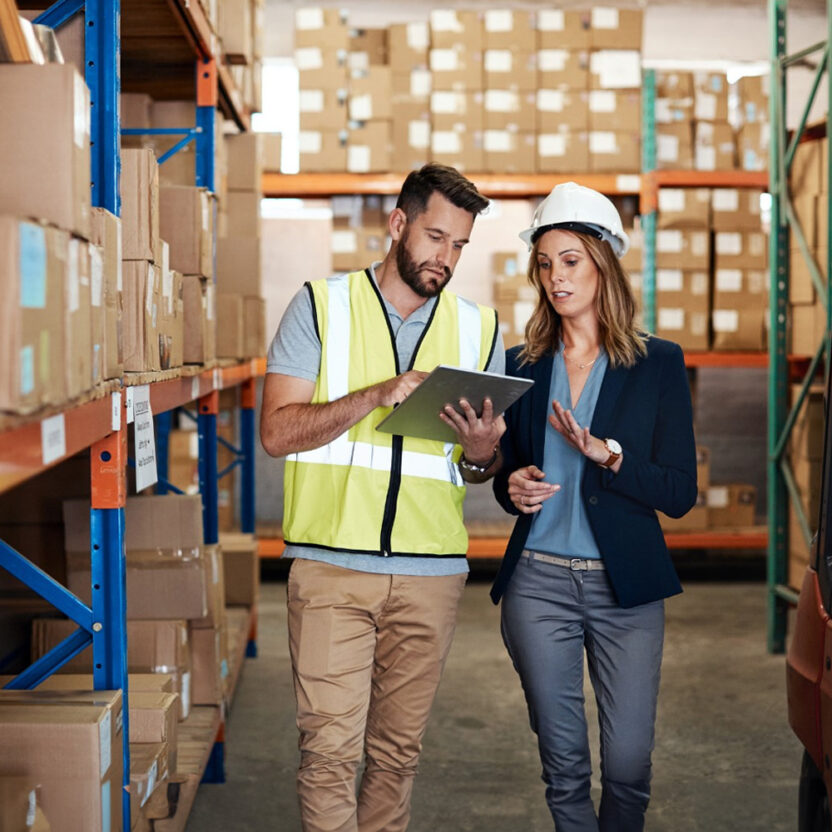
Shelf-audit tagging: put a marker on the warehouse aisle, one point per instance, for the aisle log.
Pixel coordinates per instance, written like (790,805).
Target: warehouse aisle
(725,756)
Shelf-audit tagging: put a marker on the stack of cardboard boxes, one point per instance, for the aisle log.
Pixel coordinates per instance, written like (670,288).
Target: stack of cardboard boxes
(753,134)
(407,53)
(514,297)
(241,27)
(359,230)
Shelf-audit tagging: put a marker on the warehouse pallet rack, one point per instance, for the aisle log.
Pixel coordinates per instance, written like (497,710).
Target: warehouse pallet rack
(782,489)
(165,48)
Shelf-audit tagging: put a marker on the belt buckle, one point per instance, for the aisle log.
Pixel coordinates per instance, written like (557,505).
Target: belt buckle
(578,565)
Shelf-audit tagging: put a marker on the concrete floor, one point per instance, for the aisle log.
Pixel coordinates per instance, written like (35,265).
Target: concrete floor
(725,757)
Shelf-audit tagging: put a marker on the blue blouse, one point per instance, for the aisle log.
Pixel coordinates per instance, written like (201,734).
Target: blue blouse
(561,527)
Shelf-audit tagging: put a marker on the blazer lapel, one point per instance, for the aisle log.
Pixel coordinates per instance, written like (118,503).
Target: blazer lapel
(541,406)
(614,379)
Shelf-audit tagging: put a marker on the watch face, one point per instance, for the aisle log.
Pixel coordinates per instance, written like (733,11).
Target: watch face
(612,446)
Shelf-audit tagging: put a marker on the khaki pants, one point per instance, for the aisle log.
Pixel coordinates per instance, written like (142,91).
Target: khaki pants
(367,654)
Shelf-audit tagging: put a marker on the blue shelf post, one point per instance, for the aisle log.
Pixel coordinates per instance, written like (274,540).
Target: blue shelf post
(207,433)
(248,401)
(162,430)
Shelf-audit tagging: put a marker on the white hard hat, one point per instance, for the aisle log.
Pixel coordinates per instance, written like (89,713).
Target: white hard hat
(573,207)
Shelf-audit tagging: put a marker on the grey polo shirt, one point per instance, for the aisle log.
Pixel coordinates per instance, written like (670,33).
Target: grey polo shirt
(296,351)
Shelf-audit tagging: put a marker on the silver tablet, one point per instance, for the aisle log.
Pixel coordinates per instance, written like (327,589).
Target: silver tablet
(418,414)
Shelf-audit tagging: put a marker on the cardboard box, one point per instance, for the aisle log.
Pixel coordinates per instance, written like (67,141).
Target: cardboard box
(368,47)
(154,719)
(753,99)
(141,298)
(137,682)
(615,69)
(695,520)
(148,772)
(172,320)
(739,309)
(562,151)
(210,666)
(47,736)
(731,505)
(230,325)
(504,29)
(322,27)
(633,260)
(254,319)
(411,132)
(451,28)
(459,111)
(740,250)
(703,467)
(456,68)
(612,28)
(710,96)
(560,108)
(808,477)
(106,233)
(235,29)
(563,68)
(323,109)
(462,150)
(509,152)
(370,94)
(45,145)
(239,265)
(78,321)
(510,69)
(21,805)
(199,320)
(684,208)
(753,146)
(512,318)
(242,568)
(320,67)
(674,84)
(735,209)
(416,84)
(272,151)
(31,345)
(683,249)
(714,146)
(212,564)
(613,110)
(808,173)
(683,307)
(408,47)
(242,214)
(806,439)
(559,29)
(614,151)
(807,328)
(368,149)
(245,161)
(673,111)
(186,222)
(323,151)
(674,146)
(139,205)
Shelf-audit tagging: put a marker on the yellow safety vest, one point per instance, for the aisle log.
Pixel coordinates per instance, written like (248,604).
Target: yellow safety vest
(371,492)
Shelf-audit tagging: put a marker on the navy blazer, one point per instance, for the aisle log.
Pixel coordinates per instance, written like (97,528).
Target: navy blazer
(647,408)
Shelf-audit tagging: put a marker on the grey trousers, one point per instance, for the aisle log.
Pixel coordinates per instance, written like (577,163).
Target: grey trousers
(550,616)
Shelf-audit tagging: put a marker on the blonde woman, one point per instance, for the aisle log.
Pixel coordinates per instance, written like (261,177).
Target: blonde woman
(604,441)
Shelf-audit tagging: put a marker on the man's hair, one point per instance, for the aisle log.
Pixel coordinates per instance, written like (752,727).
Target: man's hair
(447,181)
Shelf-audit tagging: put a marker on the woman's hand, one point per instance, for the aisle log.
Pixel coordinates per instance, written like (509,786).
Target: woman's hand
(579,438)
(526,490)
(478,435)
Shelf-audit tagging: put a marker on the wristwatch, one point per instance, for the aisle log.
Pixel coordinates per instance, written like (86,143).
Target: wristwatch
(615,450)
(465,465)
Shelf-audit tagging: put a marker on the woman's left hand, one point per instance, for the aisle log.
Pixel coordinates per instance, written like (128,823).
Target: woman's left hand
(564,422)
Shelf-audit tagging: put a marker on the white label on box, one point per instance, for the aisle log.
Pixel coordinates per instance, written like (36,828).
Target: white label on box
(444,20)
(726,199)
(417,36)
(151,279)
(210,305)
(667,148)
(206,214)
(699,243)
(151,782)
(195,387)
(705,158)
(361,107)
(119,272)
(31,812)
(669,280)
(444,60)
(105,742)
(96,276)
(705,106)
(629,183)
(756,243)
(616,69)
(115,410)
(358,61)
(311,101)
(358,158)
(498,20)
(217,378)
(81,116)
(552,60)
(420,82)
(167,290)
(550,20)
(602,101)
(755,282)
(447,103)
(669,242)
(671,199)
(73,276)
(698,323)
(664,111)
(497,141)
(193,445)
(501,101)
(671,318)
(602,142)
(550,101)
(27,369)
(498,60)
(53,438)
(128,404)
(309,57)
(728,280)
(604,18)
(105,806)
(718,497)
(144,438)
(551,144)
(729,242)
(726,320)
(344,241)
(445,141)
(310,141)
(186,693)
(309,19)
(418,134)
(699,283)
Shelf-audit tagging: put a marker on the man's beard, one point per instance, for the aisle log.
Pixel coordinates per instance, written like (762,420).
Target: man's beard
(411,272)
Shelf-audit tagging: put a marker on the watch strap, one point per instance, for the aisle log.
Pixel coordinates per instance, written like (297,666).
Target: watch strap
(479,469)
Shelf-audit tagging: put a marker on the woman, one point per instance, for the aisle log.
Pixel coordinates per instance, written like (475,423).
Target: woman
(604,440)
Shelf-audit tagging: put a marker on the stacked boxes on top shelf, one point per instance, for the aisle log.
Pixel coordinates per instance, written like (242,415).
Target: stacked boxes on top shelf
(240,25)
(407,50)
(369,102)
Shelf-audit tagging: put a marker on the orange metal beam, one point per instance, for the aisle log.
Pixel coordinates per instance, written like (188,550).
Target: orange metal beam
(711,178)
(726,359)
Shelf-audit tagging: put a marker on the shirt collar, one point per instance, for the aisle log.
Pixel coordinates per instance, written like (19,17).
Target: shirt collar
(420,315)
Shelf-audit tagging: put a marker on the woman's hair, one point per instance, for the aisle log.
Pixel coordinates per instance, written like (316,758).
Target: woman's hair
(615,307)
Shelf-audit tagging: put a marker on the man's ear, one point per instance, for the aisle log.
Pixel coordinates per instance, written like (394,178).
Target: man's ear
(396,223)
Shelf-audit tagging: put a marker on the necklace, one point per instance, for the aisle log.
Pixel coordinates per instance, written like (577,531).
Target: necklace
(579,365)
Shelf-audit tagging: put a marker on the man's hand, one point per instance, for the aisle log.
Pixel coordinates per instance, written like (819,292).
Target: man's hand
(395,390)
(478,435)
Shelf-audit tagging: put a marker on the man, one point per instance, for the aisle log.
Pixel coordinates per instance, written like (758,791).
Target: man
(374,521)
